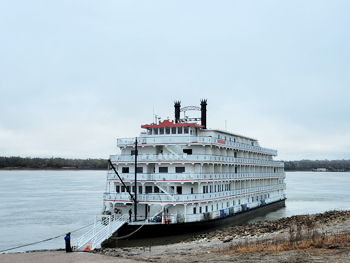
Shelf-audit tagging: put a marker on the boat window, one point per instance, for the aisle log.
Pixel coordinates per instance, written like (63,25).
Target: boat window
(167,130)
(203,189)
(133,189)
(173,130)
(117,188)
(194,210)
(125,170)
(179,130)
(179,169)
(200,209)
(217,206)
(156,189)
(123,188)
(140,189)
(239,201)
(155,131)
(163,169)
(233,202)
(133,152)
(212,207)
(161,130)
(206,208)
(179,190)
(128,189)
(188,151)
(185,130)
(227,204)
(148,189)
(191,190)
(149,131)
(139,170)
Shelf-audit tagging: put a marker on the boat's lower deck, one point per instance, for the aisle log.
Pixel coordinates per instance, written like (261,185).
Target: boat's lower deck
(142,229)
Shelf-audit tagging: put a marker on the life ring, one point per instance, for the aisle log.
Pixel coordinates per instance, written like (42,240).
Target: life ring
(116,210)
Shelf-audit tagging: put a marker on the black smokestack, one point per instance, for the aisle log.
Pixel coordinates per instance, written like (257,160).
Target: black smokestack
(204,113)
(177,106)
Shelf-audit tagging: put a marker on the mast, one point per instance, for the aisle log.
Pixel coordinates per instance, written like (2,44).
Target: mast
(135,202)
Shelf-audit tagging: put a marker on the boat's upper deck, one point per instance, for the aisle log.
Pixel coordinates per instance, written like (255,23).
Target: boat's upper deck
(168,132)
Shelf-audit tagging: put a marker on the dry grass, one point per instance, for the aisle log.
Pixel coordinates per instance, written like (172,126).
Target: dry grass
(300,237)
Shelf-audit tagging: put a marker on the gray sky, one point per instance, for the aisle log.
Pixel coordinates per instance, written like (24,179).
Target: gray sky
(76,75)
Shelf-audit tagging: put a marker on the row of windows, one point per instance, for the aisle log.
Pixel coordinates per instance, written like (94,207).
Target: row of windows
(228,204)
(187,151)
(216,188)
(172,130)
(206,189)
(148,189)
(126,170)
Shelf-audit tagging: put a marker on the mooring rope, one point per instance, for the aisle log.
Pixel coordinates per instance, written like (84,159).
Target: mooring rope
(45,240)
(131,233)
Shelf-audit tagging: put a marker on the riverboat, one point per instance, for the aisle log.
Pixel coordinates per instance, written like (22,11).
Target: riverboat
(179,176)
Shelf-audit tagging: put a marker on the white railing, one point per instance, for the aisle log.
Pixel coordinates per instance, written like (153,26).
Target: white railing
(192,176)
(104,227)
(162,139)
(161,197)
(168,158)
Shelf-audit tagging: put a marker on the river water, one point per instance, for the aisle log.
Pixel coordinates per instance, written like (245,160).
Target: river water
(38,205)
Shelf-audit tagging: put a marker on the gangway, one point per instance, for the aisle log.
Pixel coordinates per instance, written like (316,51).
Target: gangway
(104,227)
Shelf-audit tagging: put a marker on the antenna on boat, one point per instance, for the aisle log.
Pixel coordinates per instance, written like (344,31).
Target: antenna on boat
(135,192)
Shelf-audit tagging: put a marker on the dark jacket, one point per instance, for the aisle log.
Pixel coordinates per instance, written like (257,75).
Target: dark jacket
(67,239)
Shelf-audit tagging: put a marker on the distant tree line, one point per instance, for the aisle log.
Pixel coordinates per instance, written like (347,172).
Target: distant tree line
(62,163)
(309,165)
(51,163)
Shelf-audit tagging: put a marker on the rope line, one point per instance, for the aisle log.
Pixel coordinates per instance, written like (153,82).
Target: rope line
(48,239)
(130,233)
(45,240)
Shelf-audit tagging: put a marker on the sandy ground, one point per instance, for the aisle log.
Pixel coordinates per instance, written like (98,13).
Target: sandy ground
(61,257)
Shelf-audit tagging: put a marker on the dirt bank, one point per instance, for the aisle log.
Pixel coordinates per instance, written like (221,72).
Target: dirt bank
(213,246)
(217,246)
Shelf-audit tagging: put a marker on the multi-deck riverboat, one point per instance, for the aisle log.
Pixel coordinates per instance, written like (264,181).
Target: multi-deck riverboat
(179,176)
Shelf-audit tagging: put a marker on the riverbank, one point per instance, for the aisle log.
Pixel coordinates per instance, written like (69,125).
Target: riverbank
(249,243)
(256,242)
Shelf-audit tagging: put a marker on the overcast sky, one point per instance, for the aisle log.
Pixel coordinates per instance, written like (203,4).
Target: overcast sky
(77,75)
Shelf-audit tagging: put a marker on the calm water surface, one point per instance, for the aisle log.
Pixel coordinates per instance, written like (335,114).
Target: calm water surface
(37,205)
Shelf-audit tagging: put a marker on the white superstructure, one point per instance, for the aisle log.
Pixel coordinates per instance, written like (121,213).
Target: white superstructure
(187,173)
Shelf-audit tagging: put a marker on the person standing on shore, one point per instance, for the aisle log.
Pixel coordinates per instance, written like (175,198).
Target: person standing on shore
(67,240)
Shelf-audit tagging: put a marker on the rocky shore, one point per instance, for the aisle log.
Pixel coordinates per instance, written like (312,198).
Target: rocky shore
(220,245)
(215,246)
